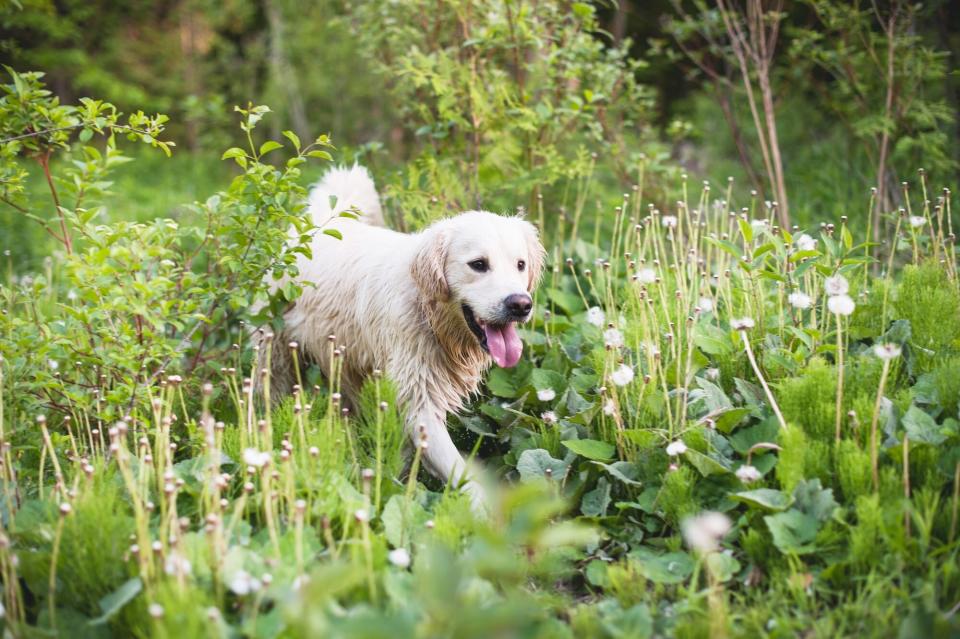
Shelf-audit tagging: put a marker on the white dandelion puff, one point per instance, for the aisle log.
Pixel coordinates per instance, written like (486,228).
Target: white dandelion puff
(805,243)
(622,376)
(704,532)
(841,305)
(399,557)
(546,395)
(255,458)
(609,408)
(646,276)
(887,351)
(669,221)
(549,417)
(613,337)
(836,285)
(596,316)
(917,221)
(705,304)
(742,323)
(748,474)
(799,300)
(676,448)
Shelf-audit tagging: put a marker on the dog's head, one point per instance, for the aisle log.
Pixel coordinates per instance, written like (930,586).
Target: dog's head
(483,267)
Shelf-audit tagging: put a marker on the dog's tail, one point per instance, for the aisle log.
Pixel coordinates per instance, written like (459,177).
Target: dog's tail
(343,188)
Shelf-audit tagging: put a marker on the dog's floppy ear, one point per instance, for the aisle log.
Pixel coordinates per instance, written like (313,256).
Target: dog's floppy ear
(428,268)
(535,255)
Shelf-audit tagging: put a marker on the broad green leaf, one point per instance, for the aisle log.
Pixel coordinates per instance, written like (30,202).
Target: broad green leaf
(793,531)
(625,471)
(269,145)
(722,566)
(591,448)
(669,568)
(705,464)
(533,464)
(111,604)
(596,502)
(333,233)
(766,498)
(921,427)
(814,500)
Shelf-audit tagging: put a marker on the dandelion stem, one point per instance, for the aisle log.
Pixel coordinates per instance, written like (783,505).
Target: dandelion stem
(839,407)
(763,382)
(874,452)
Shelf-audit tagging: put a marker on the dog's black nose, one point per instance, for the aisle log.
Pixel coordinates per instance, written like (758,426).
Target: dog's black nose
(518,305)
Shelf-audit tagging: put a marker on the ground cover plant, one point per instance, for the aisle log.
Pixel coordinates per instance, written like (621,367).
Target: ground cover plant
(721,426)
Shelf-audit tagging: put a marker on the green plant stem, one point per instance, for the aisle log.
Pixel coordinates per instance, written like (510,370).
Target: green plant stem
(839,407)
(763,382)
(874,452)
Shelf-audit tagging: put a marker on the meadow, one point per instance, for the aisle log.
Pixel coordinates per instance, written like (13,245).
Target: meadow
(722,426)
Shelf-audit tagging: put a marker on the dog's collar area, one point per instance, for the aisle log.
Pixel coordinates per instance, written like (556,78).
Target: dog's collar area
(475,327)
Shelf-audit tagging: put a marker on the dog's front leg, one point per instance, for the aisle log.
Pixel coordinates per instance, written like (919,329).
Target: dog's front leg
(426,425)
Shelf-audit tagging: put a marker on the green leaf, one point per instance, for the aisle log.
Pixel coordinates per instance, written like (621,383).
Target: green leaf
(323,155)
(814,500)
(669,568)
(591,448)
(234,152)
(596,502)
(290,135)
(705,464)
(625,471)
(921,427)
(722,566)
(112,604)
(269,145)
(333,233)
(711,339)
(509,382)
(543,379)
(766,498)
(793,531)
(534,463)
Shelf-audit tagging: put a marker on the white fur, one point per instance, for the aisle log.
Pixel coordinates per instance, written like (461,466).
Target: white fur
(393,301)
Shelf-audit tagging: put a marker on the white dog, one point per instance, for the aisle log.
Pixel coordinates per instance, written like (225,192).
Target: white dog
(430,309)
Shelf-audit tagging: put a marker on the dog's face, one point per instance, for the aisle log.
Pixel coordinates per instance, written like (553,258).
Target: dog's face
(486,265)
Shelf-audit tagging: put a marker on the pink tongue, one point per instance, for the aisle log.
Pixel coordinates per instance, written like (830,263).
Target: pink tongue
(504,344)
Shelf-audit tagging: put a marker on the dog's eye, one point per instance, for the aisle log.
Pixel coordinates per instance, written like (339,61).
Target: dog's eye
(480,265)
(521,265)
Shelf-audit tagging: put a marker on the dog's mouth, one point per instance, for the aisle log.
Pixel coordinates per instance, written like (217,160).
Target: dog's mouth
(501,341)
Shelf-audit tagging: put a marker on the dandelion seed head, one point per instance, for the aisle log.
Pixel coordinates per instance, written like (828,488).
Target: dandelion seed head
(705,304)
(399,557)
(546,395)
(799,300)
(596,316)
(742,323)
(613,337)
(917,221)
(704,531)
(836,285)
(748,474)
(549,417)
(805,243)
(676,448)
(255,458)
(841,305)
(622,376)
(646,276)
(669,221)
(887,351)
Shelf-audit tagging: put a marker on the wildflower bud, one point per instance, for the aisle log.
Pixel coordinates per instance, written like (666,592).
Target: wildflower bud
(361,516)
(155,610)
(293,346)
(367,474)
(383,406)
(65,509)
(428,524)
(284,455)
(314,451)
(248,487)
